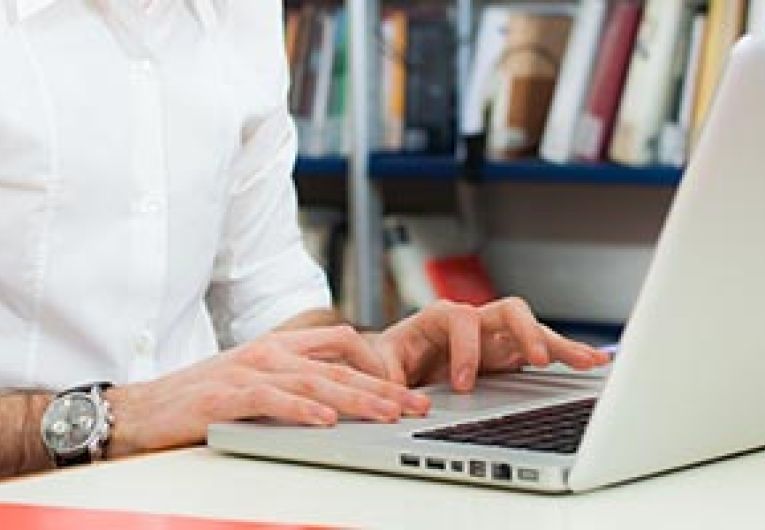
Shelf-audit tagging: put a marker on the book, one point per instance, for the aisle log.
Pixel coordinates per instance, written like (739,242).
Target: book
(528,72)
(430,257)
(724,26)
(573,81)
(22,517)
(430,88)
(314,141)
(756,17)
(302,52)
(462,279)
(488,50)
(597,121)
(649,87)
(406,261)
(395,42)
(336,135)
(674,141)
(291,30)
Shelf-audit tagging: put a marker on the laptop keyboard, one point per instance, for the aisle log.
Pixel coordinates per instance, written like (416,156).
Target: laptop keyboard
(556,429)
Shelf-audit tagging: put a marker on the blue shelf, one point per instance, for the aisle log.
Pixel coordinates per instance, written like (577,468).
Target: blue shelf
(328,166)
(445,168)
(580,173)
(414,167)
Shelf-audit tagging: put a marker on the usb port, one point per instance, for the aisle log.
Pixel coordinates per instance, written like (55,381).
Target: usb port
(458,466)
(435,463)
(477,468)
(501,472)
(410,460)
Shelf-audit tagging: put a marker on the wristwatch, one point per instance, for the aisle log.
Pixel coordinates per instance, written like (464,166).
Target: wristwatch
(77,424)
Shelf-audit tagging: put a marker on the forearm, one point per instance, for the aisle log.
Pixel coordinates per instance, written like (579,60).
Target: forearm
(21,447)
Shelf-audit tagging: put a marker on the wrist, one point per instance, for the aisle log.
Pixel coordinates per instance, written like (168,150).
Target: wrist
(125,404)
(37,456)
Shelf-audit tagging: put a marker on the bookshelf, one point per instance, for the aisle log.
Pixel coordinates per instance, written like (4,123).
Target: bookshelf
(365,171)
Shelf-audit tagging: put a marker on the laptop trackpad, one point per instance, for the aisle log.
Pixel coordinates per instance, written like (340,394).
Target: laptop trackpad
(500,392)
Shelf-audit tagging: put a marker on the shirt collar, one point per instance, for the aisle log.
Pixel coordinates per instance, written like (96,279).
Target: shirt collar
(20,10)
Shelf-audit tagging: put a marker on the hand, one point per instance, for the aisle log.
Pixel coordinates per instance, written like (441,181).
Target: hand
(456,342)
(283,376)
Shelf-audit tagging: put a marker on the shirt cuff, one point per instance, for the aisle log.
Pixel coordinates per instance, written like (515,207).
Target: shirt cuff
(279,312)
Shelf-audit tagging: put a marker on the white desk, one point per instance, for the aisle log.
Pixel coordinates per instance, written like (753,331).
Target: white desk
(728,494)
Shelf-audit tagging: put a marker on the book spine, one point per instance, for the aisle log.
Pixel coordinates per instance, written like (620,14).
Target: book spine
(597,122)
(692,70)
(573,82)
(397,102)
(724,26)
(323,80)
(489,47)
(673,149)
(338,87)
(313,60)
(302,50)
(430,94)
(292,28)
(648,89)
(528,83)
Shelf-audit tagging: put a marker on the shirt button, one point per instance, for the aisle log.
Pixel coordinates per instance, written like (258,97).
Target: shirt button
(150,204)
(142,68)
(144,344)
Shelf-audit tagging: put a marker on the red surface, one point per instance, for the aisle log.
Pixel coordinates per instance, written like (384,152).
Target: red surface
(461,279)
(611,68)
(17,517)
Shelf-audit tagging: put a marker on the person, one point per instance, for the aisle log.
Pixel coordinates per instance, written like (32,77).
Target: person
(148,238)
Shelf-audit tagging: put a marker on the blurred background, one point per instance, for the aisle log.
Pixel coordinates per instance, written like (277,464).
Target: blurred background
(468,149)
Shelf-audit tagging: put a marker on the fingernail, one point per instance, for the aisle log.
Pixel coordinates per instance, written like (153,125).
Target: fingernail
(325,416)
(417,403)
(385,410)
(465,378)
(540,355)
(602,357)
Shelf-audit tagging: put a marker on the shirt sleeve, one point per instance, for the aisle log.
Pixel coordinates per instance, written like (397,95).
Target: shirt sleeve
(263,274)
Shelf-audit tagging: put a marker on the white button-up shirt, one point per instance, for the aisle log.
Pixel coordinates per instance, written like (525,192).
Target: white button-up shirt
(147,211)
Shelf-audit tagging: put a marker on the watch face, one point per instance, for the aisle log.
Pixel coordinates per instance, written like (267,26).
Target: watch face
(69,423)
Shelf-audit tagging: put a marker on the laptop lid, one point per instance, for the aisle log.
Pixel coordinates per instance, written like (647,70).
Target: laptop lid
(688,385)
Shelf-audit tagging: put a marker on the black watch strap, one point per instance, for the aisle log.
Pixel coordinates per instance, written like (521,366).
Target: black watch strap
(85,457)
(74,460)
(103,386)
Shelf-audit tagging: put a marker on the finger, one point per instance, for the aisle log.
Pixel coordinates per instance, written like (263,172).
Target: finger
(337,343)
(347,400)
(409,401)
(394,368)
(515,316)
(456,329)
(507,359)
(575,354)
(464,329)
(262,400)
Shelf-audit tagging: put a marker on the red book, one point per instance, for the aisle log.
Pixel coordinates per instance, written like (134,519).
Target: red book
(17,517)
(461,279)
(599,117)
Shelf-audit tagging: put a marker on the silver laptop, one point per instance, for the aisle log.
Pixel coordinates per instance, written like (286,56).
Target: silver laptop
(686,388)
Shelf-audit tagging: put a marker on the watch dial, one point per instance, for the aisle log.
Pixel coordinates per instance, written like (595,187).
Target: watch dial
(69,423)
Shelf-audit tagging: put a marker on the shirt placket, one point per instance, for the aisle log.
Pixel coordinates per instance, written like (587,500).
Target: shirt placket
(149,209)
